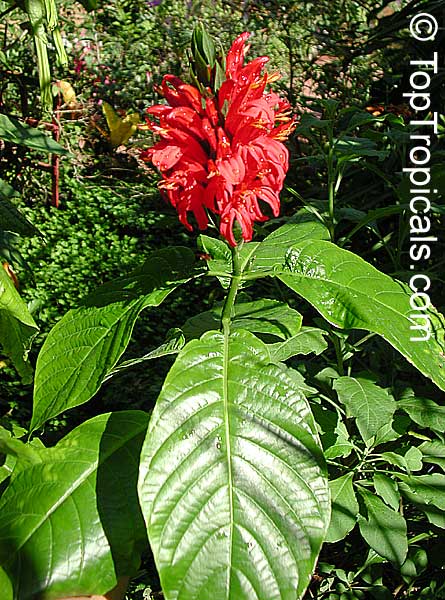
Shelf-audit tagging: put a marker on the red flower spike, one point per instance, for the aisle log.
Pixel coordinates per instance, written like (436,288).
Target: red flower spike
(223,153)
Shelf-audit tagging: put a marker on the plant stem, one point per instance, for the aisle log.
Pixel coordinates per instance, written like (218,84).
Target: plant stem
(338,354)
(233,290)
(331,189)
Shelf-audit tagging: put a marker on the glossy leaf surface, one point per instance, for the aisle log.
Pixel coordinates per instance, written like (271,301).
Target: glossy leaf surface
(231,483)
(351,293)
(71,524)
(270,255)
(86,344)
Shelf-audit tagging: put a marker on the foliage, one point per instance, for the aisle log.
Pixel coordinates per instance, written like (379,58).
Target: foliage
(43,18)
(18,328)
(298,420)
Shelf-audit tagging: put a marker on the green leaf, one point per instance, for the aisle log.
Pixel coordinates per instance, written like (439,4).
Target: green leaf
(174,343)
(434,452)
(264,316)
(309,122)
(16,448)
(413,458)
(349,148)
(220,262)
(334,435)
(396,459)
(232,484)
(270,255)
(344,508)
(386,488)
(307,341)
(424,412)
(364,118)
(371,405)
(84,347)
(410,491)
(264,258)
(350,293)
(430,488)
(6,586)
(7,191)
(15,132)
(17,327)
(11,219)
(383,529)
(71,524)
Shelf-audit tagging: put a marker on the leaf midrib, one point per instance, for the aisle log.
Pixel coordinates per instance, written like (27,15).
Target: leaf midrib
(228,451)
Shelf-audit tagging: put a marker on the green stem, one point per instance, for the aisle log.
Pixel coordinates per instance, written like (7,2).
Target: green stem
(233,290)
(338,354)
(331,190)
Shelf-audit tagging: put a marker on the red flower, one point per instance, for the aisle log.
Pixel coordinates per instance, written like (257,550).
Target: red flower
(223,153)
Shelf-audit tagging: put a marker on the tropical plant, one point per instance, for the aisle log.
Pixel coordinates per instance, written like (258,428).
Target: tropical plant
(274,431)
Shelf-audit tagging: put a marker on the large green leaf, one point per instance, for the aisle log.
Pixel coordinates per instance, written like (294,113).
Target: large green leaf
(17,327)
(12,130)
(384,529)
(71,524)
(231,480)
(372,406)
(82,349)
(350,293)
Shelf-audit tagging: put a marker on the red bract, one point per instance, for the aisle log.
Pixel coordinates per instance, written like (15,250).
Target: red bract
(223,153)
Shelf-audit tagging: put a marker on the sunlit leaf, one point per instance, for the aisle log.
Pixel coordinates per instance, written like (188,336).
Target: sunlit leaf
(85,345)
(16,132)
(351,293)
(386,488)
(231,483)
(71,524)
